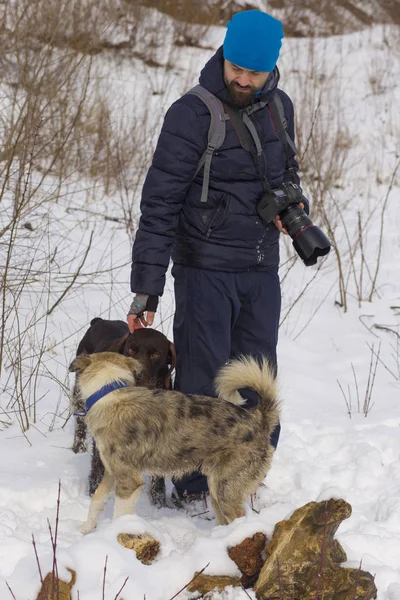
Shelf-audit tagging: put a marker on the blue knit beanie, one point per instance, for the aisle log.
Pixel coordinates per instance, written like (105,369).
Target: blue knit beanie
(253,40)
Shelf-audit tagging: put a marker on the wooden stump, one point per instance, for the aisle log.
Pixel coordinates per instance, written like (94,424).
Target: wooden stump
(145,546)
(56,588)
(303,558)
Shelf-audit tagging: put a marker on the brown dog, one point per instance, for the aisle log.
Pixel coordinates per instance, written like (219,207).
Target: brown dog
(164,432)
(156,355)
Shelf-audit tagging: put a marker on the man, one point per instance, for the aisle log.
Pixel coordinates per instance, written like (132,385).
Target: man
(225,258)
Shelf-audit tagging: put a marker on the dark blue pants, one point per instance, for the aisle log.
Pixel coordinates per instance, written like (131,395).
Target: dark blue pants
(218,316)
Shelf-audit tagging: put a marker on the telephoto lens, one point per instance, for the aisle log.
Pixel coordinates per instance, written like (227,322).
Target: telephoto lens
(308,239)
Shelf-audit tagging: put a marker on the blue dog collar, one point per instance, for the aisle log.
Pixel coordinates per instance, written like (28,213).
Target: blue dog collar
(106,389)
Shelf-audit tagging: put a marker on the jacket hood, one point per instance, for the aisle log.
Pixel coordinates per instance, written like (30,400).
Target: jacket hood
(212,78)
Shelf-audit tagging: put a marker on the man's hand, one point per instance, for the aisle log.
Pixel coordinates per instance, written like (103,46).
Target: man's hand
(278,221)
(141,312)
(135,322)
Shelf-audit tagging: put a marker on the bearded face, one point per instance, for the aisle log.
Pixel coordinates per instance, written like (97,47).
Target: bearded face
(243,84)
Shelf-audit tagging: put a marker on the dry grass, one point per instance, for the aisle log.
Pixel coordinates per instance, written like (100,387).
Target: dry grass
(344,201)
(57,127)
(303,18)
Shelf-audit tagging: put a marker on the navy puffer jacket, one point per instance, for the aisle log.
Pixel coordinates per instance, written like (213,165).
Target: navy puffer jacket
(226,233)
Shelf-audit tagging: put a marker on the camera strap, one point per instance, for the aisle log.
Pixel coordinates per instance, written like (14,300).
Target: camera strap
(250,141)
(247,134)
(248,137)
(282,134)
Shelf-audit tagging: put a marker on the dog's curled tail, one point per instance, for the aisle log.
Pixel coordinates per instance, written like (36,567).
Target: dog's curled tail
(248,372)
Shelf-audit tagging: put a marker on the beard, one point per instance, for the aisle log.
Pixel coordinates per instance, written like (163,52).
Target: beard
(241,97)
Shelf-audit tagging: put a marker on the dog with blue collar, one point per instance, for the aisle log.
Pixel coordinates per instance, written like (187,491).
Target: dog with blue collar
(168,433)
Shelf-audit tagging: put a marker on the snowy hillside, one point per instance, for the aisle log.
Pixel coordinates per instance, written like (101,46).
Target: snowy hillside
(339,349)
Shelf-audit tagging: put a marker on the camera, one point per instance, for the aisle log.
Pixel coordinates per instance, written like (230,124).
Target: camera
(308,239)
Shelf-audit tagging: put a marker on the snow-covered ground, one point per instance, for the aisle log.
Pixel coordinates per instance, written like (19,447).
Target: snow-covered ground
(327,448)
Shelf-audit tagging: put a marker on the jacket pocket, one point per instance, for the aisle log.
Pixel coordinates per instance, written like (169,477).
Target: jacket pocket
(218,216)
(204,219)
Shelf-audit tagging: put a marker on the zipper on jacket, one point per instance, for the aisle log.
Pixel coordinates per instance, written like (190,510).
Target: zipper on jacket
(212,225)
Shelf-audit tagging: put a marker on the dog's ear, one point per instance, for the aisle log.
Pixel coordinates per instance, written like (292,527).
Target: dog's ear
(171,361)
(119,345)
(171,358)
(80,363)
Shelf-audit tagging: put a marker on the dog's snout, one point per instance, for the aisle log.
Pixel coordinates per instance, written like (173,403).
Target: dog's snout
(139,376)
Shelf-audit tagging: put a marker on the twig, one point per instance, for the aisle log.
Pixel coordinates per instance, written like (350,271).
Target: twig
(313,122)
(356,384)
(54,543)
(191,581)
(104,578)
(360,241)
(53,568)
(352,267)
(385,202)
(245,591)
(301,294)
(252,496)
(354,596)
(371,380)
(40,570)
(335,247)
(385,328)
(347,401)
(200,513)
(7,264)
(360,318)
(74,278)
(314,313)
(11,592)
(92,212)
(123,585)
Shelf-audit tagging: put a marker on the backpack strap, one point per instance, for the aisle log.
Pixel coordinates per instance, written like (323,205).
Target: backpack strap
(216,133)
(280,122)
(244,130)
(241,123)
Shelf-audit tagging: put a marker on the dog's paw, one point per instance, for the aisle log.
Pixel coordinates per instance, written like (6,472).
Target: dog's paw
(86,528)
(158,500)
(157,492)
(79,447)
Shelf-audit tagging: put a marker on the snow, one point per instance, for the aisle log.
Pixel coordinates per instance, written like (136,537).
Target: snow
(327,449)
